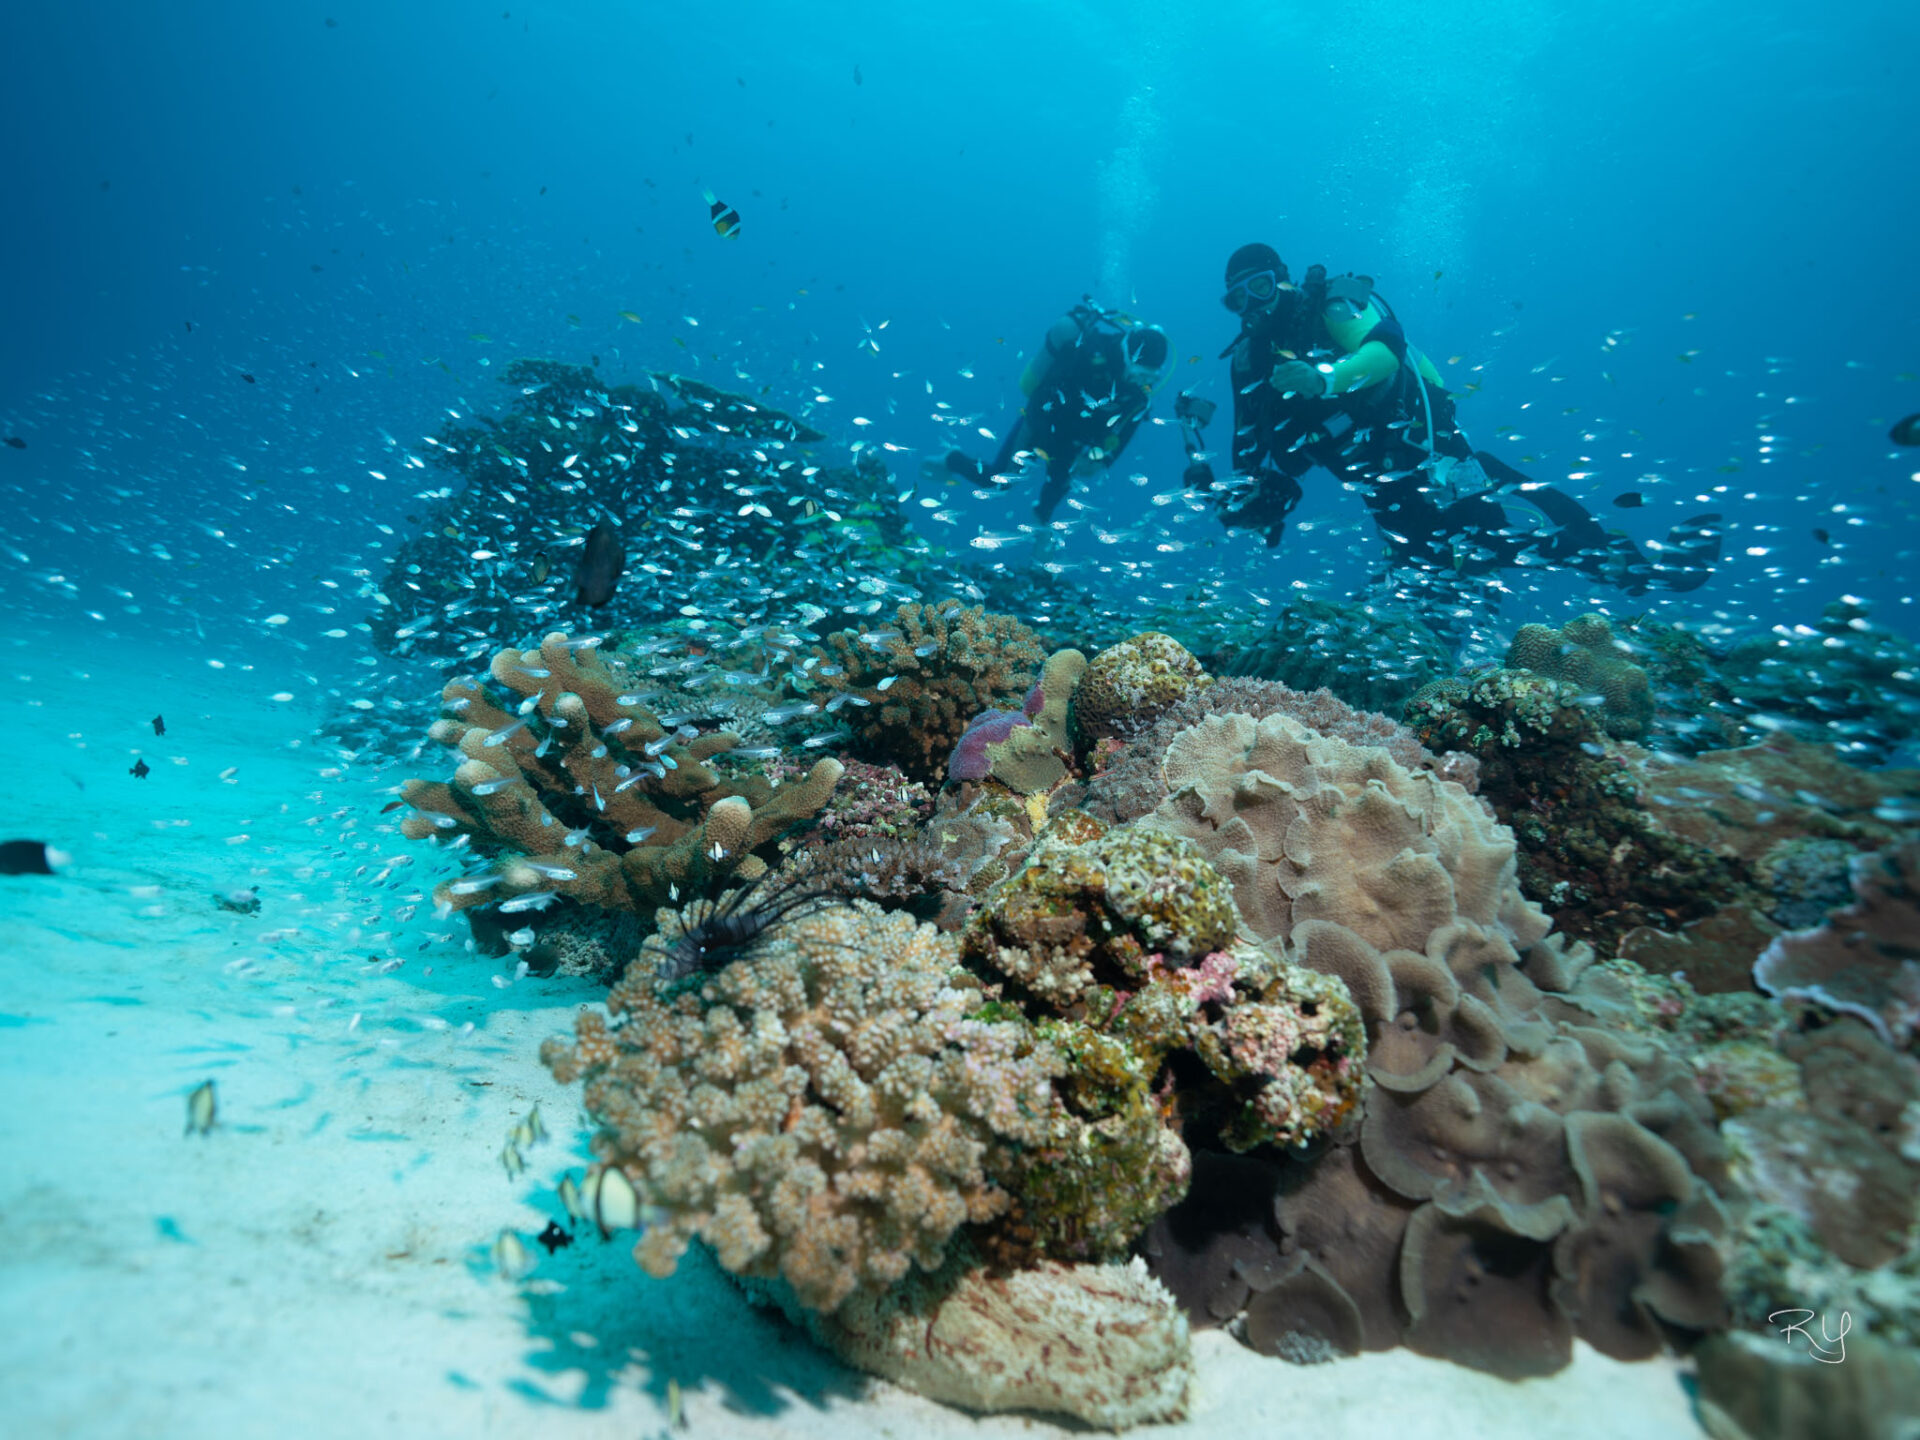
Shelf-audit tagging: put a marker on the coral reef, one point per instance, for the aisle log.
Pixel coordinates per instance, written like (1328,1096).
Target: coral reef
(583,794)
(908,691)
(1598,860)
(1745,803)
(1130,685)
(824,1109)
(1584,653)
(1080,916)
(1865,960)
(1104,1344)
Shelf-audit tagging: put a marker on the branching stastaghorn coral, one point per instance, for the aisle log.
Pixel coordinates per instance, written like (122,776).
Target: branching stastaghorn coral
(908,690)
(827,1109)
(584,795)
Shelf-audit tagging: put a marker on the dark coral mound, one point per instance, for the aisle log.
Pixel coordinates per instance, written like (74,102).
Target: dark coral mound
(908,690)
(687,474)
(1590,853)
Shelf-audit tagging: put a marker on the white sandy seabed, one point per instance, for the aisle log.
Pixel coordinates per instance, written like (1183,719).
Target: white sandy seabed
(319,1264)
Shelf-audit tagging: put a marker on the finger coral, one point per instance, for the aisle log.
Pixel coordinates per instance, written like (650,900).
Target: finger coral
(581,793)
(908,690)
(826,1109)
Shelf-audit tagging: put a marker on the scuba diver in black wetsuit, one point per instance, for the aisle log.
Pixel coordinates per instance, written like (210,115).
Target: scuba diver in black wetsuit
(1087,392)
(1324,375)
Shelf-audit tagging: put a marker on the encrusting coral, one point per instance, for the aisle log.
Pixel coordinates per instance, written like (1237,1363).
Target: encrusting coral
(825,1109)
(1102,1343)
(584,795)
(1123,950)
(911,688)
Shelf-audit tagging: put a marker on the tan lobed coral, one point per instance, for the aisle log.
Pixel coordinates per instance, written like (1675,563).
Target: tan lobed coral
(1309,827)
(583,793)
(940,665)
(1131,783)
(1584,652)
(1522,1174)
(1131,684)
(1104,1344)
(822,1110)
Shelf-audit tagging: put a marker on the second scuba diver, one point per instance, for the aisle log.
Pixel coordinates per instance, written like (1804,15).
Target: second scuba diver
(1323,375)
(1087,392)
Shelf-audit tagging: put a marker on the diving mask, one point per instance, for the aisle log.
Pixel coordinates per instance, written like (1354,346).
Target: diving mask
(1251,290)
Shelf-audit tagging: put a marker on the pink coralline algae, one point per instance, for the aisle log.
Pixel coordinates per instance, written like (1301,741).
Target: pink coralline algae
(1209,980)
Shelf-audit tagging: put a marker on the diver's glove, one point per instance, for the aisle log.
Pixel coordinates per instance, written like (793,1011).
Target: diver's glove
(1199,475)
(1297,377)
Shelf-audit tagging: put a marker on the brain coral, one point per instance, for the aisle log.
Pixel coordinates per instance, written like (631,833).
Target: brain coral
(1584,652)
(1129,685)
(821,1110)
(940,665)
